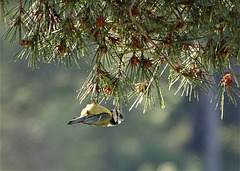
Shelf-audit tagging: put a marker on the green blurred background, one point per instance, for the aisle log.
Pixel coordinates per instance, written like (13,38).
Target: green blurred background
(36,105)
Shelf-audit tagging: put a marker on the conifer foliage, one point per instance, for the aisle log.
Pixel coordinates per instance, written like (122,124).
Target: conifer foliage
(133,44)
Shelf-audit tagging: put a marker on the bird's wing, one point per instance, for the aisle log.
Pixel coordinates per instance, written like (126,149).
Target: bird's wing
(96,118)
(76,120)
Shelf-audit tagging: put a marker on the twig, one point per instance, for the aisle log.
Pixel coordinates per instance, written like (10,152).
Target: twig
(144,33)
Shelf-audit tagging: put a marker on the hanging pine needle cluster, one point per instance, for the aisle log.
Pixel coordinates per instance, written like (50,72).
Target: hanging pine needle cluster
(132,44)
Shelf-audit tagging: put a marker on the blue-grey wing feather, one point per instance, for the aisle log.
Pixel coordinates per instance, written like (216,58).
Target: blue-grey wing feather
(96,118)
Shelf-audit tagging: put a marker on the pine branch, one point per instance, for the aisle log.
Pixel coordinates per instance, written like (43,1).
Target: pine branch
(132,44)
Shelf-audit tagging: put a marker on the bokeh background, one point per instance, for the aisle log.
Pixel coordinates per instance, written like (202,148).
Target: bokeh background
(36,105)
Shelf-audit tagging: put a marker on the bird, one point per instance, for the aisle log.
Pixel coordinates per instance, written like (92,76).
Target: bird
(97,115)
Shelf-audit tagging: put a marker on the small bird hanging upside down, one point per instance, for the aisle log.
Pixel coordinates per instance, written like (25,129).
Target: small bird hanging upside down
(95,114)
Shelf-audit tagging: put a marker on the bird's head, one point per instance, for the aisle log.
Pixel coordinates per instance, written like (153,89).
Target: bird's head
(117,115)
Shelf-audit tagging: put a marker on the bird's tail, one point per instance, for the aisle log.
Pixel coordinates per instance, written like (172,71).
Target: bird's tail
(76,120)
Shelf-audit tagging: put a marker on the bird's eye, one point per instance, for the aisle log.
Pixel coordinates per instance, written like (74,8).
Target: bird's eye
(122,116)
